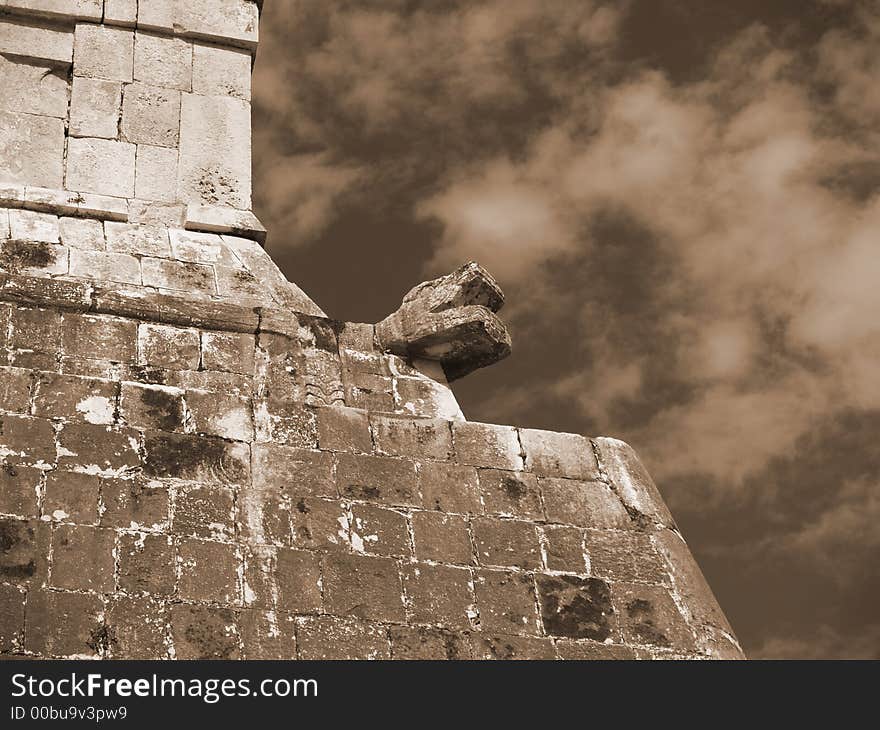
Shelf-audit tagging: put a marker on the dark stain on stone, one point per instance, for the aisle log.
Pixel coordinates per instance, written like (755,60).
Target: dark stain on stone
(10,470)
(323,331)
(641,613)
(363,492)
(17,559)
(302,508)
(514,488)
(18,255)
(185,457)
(207,636)
(101,638)
(148,375)
(165,408)
(579,608)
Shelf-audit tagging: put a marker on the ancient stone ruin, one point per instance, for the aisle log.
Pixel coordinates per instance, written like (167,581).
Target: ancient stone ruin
(198,462)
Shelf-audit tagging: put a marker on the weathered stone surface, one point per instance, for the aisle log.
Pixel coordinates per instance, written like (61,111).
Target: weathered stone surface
(29,39)
(230,21)
(32,88)
(509,648)
(329,637)
(165,61)
(231,352)
(101,166)
(482,444)
(215,151)
(120,12)
(204,632)
(632,482)
(438,595)
(344,429)
(506,602)
(564,548)
(196,458)
(511,493)
(73,398)
(63,624)
(208,571)
(41,259)
(378,479)
(102,52)
(422,643)
(506,543)
(559,454)
(625,555)
(95,107)
(414,437)
(587,504)
(134,504)
(363,587)
(100,337)
(105,266)
(18,490)
(221,71)
(157,407)
(379,531)
(31,149)
(449,487)
(82,558)
(136,628)
(580,608)
(82,233)
(452,320)
(178,275)
(649,616)
(168,347)
(79,9)
(146,564)
(151,115)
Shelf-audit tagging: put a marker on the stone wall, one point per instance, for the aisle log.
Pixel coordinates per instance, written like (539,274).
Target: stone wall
(196,462)
(129,110)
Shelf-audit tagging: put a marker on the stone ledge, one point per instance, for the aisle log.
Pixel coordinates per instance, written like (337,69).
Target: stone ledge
(202,218)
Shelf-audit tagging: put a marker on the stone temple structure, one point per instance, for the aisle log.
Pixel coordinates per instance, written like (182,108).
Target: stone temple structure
(198,462)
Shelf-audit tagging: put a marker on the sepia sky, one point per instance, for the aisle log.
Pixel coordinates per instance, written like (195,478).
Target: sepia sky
(681,200)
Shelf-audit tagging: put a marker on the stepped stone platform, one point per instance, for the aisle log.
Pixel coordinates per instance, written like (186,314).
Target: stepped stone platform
(198,463)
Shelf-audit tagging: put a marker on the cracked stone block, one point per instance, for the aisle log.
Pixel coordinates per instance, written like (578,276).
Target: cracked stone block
(28,225)
(511,493)
(553,454)
(625,556)
(230,352)
(83,233)
(95,108)
(319,523)
(564,548)
(97,448)
(163,61)
(32,88)
(156,173)
(215,151)
(379,531)
(649,616)
(31,149)
(586,504)
(103,52)
(151,115)
(101,166)
(74,398)
(34,40)
(221,71)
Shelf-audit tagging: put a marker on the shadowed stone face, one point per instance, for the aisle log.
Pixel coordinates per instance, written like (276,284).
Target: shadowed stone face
(451,320)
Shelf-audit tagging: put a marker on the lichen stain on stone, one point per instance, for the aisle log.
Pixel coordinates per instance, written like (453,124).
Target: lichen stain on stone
(514,488)
(579,608)
(641,612)
(18,255)
(16,550)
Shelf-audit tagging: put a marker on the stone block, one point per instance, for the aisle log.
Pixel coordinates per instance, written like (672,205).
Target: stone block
(103,52)
(134,504)
(298,472)
(267,635)
(154,407)
(439,595)
(344,429)
(204,632)
(509,543)
(95,106)
(564,549)
(33,259)
(263,514)
(83,558)
(363,586)
(423,643)
(241,285)
(120,12)
(506,602)
(511,493)
(196,458)
(215,151)
(82,233)
(233,22)
(18,490)
(27,440)
(35,40)
(379,531)
(229,416)
(586,504)
(146,564)
(575,607)
(319,524)
(60,9)
(156,173)
(625,556)
(95,448)
(165,346)
(649,616)
(164,61)
(101,166)
(99,337)
(208,571)
(15,388)
(230,352)
(481,444)
(137,240)
(298,577)
(11,618)
(4,224)
(74,398)
(205,511)
(136,628)
(503,647)
(31,149)
(178,275)
(154,212)
(285,422)
(70,496)
(32,88)
(28,225)
(25,552)
(449,487)
(378,479)
(202,248)
(40,328)
(151,115)
(633,483)
(221,71)
(412,437)
(441,537)
(559,454)
(329,637)
(586,650)
(64,624)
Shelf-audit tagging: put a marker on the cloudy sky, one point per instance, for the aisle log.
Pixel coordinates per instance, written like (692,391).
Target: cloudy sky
(681,200)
